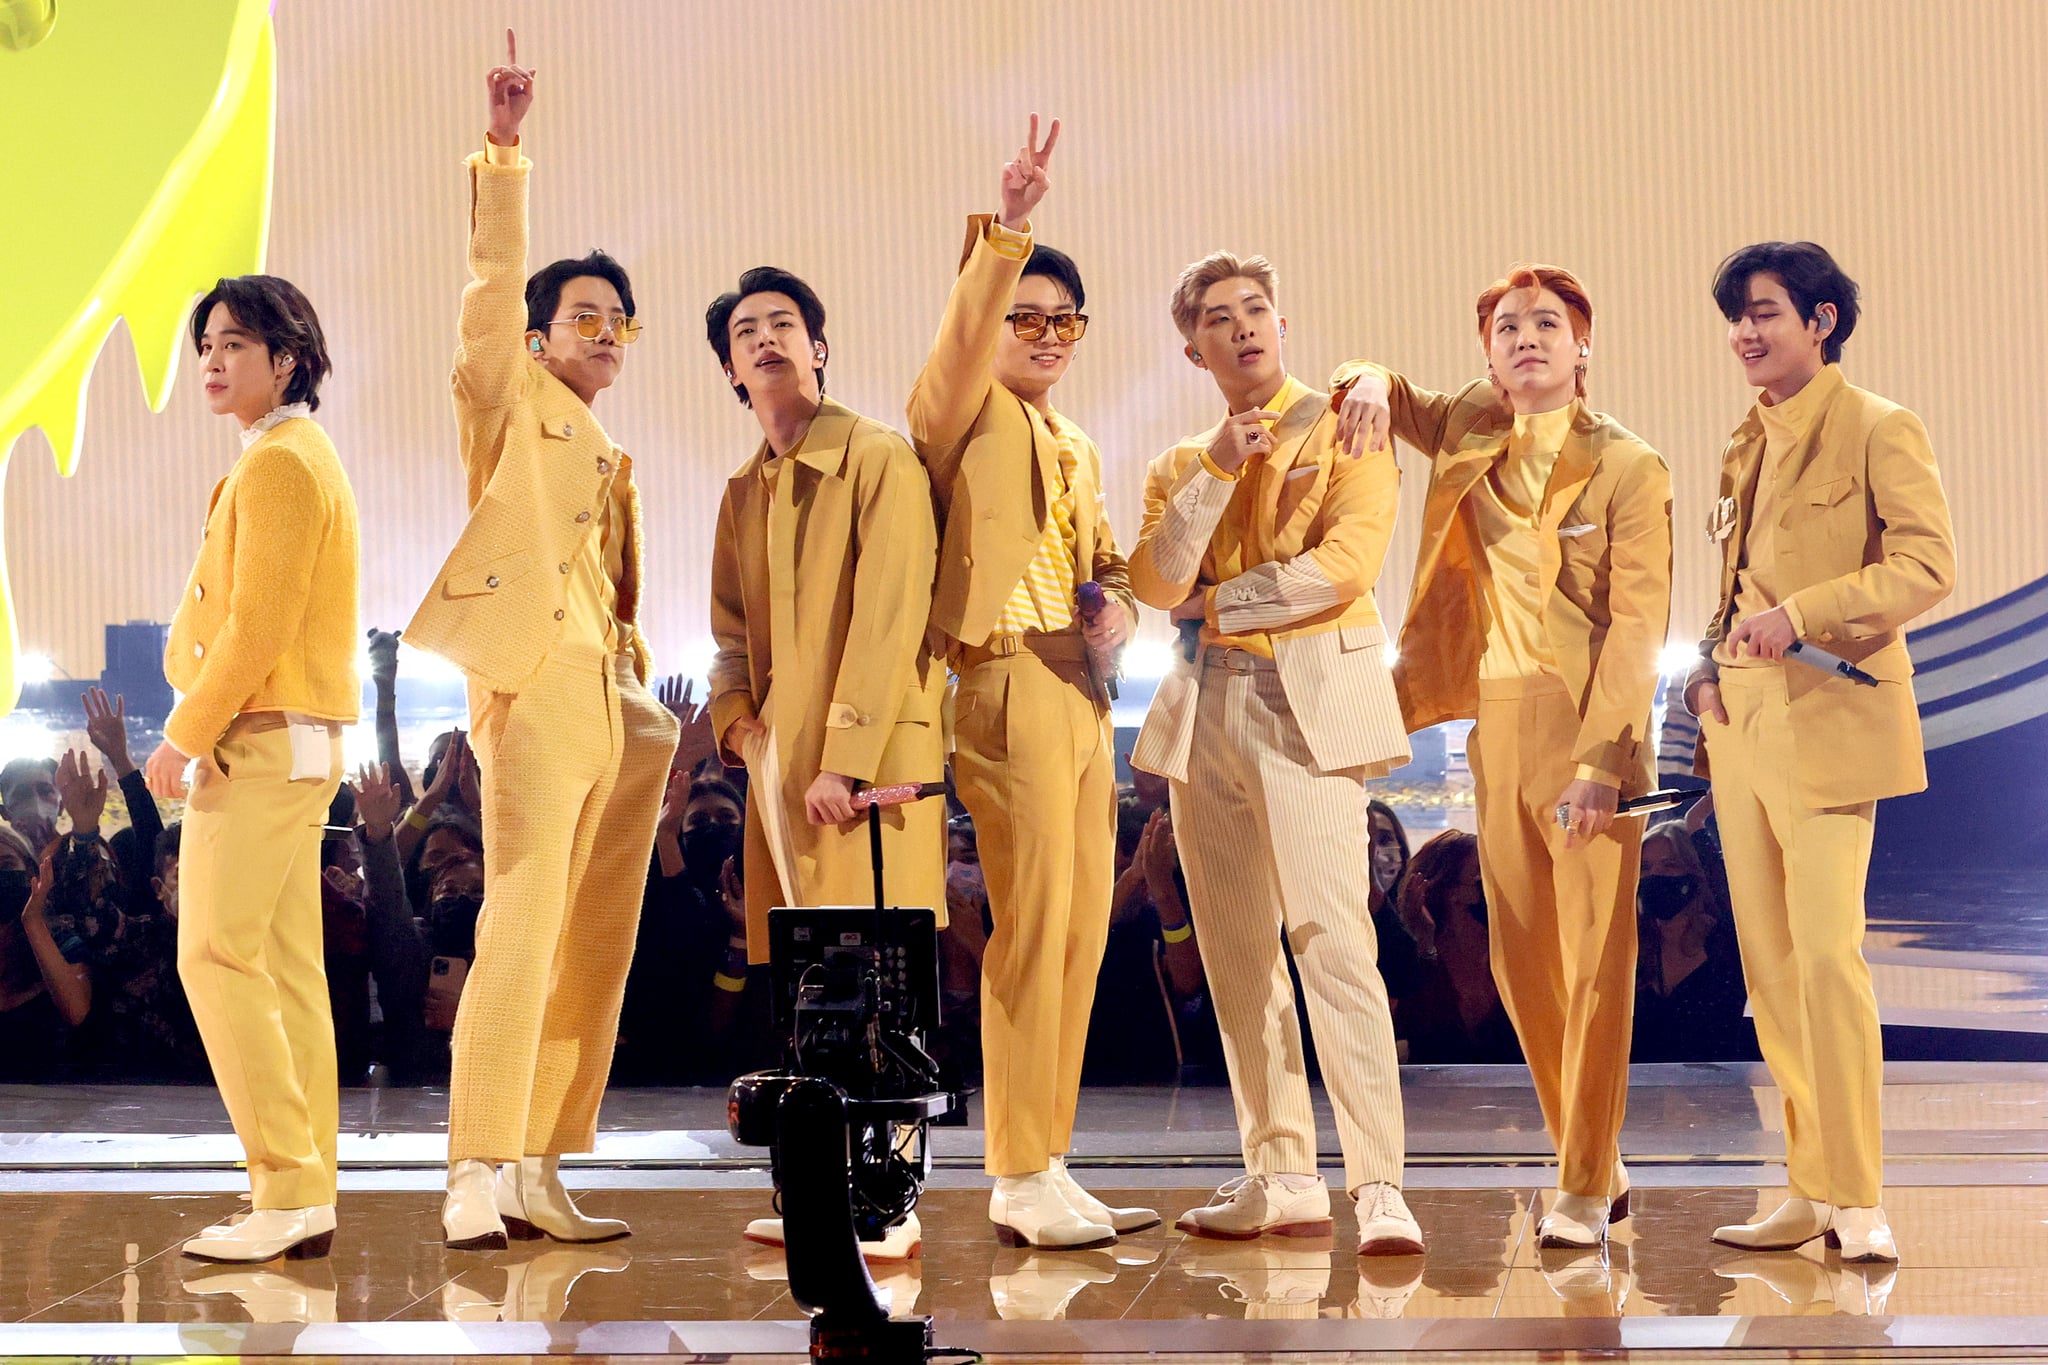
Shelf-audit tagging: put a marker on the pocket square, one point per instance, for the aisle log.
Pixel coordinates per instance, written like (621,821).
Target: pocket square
(1301,473)
(1585,528)
(1721,524)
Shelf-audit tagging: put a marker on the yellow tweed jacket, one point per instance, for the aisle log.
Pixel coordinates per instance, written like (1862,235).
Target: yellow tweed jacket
(1864,545)
(992,468)
(268,618)
(1604,571)
(540,470)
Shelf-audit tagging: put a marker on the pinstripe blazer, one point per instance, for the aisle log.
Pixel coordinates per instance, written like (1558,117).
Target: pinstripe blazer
(1328,518)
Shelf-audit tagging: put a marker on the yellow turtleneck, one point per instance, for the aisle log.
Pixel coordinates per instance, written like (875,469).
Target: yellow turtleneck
(1786,426)
(1506,510)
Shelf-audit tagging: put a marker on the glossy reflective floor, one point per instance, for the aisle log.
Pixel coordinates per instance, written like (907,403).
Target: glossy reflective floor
(90,1230)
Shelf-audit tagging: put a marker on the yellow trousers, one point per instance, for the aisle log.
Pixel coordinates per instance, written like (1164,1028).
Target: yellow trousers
(1273,845)
(1035,766)
(1561,923)
(252,959)
(573,771)
(1797,875)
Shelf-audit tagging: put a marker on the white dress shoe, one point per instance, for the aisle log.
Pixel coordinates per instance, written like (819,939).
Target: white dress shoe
(469,1214)
(266,1233)
(1385,1226)
(1273,1281)
(899,1243)
(1384,1288)
(1794,1223)
(533,1204)
(268,1296)
(1863,1235)
(1574,1222)
(1032,1211)
(1094,1210)
(1253,1205)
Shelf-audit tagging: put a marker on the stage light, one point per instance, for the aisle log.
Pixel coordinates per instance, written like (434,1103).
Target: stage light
(1676,658)
(1148,658)
(37,668)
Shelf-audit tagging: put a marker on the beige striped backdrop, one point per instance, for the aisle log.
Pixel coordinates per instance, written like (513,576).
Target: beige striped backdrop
(1391,157)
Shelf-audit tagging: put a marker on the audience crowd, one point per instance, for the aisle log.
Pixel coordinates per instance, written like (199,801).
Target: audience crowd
(89,987)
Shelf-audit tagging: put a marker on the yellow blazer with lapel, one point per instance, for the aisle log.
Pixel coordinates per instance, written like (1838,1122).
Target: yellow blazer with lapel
(268,618)
(972,434)
(540,471)
(1604,568)
(1864,545)
(1327,519)
(825,592)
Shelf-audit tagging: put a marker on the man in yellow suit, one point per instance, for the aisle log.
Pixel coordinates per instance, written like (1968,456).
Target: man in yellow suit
(1833,529)
(263,649)
(1019,491)
(1272,539)
(537,605)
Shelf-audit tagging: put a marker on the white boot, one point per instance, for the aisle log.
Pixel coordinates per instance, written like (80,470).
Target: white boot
(267,1233)
(1094,1210)
(1039,1286)
(1863,1235)
(533,1203)
(900,1243)
(272,1296)
(1032,1210)
(469,1215)
(1574,1222)
(1794,1223)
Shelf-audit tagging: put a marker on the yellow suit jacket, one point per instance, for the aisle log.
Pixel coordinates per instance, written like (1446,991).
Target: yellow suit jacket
(1328,519)
(1604,570)
(540,471)
(268,618)
(973,436)
(1864,545)
(824,591)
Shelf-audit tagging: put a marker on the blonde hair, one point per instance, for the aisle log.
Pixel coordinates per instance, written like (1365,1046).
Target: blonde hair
(1212,269)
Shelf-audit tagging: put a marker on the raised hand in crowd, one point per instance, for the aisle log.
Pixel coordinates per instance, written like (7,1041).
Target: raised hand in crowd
(446,778)
(377,801)
(511,93)
(69,983)
(83,790)
(668,826)
(383,651)
(106,725)
(694,742)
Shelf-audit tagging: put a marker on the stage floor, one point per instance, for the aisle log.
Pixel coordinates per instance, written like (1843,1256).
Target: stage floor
(99,1187)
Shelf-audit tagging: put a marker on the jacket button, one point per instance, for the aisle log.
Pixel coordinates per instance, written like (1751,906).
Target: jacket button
(559,615)
(198,651)
(568,428)
(565,568)
(967,560)
(491,582)
(583,516)
(1530,579)
(199,592)
(604,466)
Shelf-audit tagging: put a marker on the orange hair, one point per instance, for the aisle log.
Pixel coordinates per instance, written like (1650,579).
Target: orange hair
(1558,281)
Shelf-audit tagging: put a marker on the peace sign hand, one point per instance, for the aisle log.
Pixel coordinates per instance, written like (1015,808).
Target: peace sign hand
(1025,179)
(511,91)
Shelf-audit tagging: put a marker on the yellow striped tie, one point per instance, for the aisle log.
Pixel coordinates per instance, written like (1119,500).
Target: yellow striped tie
(1043,599)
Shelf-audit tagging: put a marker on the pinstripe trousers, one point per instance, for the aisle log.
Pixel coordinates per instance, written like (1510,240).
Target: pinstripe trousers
(1271,844)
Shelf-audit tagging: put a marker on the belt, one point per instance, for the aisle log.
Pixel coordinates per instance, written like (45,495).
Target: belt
(1235,659)
(1066,647)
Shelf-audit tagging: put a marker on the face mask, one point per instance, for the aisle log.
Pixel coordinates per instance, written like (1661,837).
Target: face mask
(1386,866)
(705,849)
(1664,898)
(14,893)
(451,925)
(37,813)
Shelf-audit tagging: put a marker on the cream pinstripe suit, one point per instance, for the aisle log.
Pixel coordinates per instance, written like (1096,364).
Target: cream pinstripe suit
(1268,760)
(574,750)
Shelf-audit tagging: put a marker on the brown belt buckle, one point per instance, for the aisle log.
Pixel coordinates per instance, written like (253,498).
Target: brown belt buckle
(1002,646)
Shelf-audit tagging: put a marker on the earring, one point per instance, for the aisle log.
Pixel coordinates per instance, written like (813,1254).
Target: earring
(728,376)
(1283,331)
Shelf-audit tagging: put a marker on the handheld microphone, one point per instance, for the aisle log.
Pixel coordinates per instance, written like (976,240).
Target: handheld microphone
(897,794)
(1813,656)
(1090,599)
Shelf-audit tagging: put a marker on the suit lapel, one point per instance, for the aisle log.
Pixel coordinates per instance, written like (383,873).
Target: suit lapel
(1576,462)
(1279,495)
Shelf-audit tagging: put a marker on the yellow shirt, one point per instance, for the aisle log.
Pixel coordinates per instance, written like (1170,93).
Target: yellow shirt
(1785,425)
(1240,543)
(1043,599)
(1506,509)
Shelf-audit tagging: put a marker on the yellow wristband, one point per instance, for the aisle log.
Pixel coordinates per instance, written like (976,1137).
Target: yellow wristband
(413,821)
(732,984)
(1179,934)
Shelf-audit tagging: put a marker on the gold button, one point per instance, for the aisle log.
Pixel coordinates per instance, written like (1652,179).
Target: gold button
(583,516)
(565,568)
(199,592)
(568,429)
(559,615)
(604,466)
(491,582)
(199,651)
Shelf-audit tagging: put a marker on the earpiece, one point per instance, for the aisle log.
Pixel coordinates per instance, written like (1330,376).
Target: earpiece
(1584,350)
(728,376)
(818,349)
(1283,331)
(533,344)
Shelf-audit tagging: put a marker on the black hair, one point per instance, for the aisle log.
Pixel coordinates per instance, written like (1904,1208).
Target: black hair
(763,279)
(544,286)
(1809,275)
(168,844)
(463,826)
(280,316)
(718,787)
(1059,267)
(19,768)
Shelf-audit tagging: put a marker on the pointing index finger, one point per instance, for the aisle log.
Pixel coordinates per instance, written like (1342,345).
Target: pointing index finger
(511,49)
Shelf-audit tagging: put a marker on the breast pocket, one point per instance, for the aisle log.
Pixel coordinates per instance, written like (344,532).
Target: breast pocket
(1832,508)
(1582,556)
(486,576)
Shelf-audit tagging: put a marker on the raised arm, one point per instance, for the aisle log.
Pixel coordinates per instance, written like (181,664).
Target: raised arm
(955,380)
(490,348)
(1374,404)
